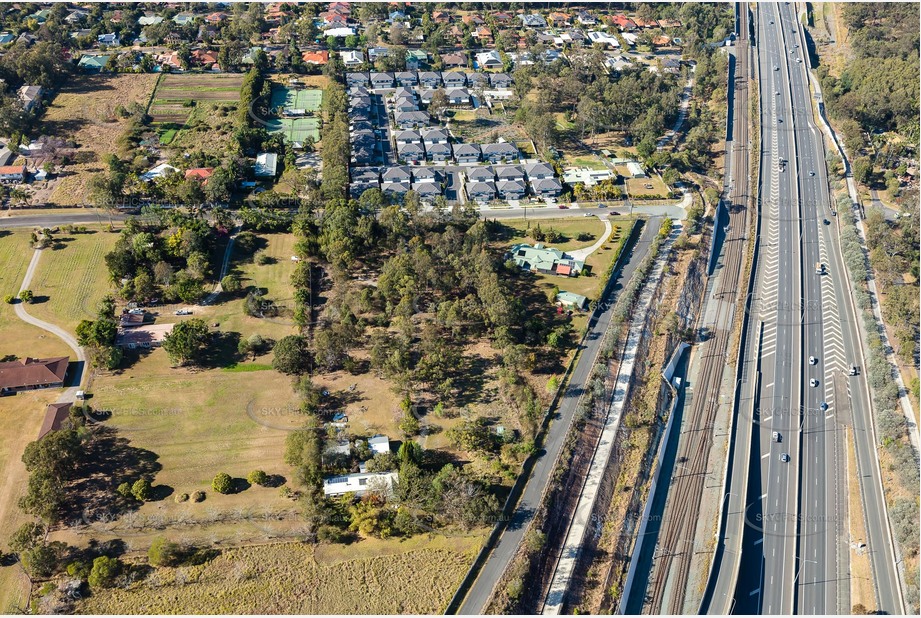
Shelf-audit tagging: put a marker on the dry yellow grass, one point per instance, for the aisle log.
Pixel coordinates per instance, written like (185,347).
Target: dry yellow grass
(372,577)
(84,111)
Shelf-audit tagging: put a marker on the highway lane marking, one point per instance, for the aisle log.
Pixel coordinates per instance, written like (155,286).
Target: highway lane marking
(765,456)
(754,592)
(759,541)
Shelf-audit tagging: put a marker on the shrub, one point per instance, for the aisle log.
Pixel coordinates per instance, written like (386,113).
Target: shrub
(141,490)
(231,284)
(181,497)
(262,259)
(9,299)
(198,496)
(222,483)
(79,569)
(258,477)
(164,552)
(104,571)
(26,296)
(124,490)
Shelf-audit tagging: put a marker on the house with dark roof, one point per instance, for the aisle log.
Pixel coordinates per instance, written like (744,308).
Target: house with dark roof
(411,120)
(438,152)
(382,80)
(426,174)
(478,80)
(364,179)
(57,416)
(511,189)
(467,153)
(407,78)
(548,187)
(435,136)
(397,189)
(499,152)
(480,174)
(357,79)
(427,190)
(538,171)
(430,79)
(358,91)
(500,80)
(454,79)
(509,172)
(32,374)
(481,191)
(407,137)
(411,153)
(458,96)
(396,174)
(405,104)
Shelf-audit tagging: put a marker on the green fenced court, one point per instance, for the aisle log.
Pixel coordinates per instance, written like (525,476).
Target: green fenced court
(295,129)
(304,98)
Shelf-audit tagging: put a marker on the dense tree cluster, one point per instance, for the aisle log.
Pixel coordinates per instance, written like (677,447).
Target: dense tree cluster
(99,335)
(169,259)
(879,87)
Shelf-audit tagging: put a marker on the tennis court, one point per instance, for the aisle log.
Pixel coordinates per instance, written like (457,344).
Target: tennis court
(295,129)
(306,99)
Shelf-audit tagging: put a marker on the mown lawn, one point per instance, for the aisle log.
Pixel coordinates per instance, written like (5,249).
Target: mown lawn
(16,337)
(70,281)
(417,576)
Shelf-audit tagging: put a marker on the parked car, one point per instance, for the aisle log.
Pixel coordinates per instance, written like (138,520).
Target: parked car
(183,312)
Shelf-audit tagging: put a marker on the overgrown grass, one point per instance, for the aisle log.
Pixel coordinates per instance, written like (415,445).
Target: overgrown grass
(417,576)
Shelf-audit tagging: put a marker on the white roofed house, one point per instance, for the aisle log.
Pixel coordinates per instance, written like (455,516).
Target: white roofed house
(608,40)
(489,60)
(360,483)
(266,164)
(158,171)
(379,444)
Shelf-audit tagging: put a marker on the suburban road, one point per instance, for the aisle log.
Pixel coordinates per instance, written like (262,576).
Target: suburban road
(797,401)
(495,565)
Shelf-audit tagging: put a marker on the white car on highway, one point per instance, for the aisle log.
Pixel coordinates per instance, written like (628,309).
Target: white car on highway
(813,382)
(813,360)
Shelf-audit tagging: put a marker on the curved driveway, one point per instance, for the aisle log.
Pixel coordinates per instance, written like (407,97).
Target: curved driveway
(66,337)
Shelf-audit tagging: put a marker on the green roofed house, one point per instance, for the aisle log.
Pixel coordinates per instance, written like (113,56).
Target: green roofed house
(546,260)
(93,64)
(570,299)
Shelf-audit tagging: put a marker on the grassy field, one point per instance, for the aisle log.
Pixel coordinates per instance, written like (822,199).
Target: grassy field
(20,416)
(208,128)
(637,186)
(16,337)
(592,162)
(371,577)
(69,282)
(84,111)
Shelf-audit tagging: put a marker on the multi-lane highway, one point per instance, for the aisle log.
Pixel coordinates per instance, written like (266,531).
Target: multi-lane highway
(796,391)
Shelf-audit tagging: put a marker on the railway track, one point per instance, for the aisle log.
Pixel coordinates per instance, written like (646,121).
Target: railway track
(675,548)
